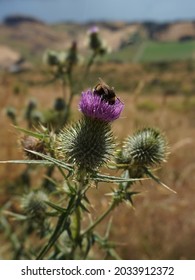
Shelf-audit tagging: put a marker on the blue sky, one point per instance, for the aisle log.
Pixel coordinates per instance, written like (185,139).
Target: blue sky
(85,10)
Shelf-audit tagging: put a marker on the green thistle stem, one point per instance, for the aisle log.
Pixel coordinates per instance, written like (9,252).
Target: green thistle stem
(70,82)
(56,234)
(61,226)
(101,218)
(76,232)
(77,224)
(89,64)
(71,95)
(63,89)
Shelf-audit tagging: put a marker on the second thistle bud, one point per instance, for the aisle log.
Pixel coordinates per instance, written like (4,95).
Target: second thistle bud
(147,147)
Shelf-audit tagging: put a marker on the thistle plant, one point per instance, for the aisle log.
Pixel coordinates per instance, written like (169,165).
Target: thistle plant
(97,46)
(78,151)
(56,206)
(89,142)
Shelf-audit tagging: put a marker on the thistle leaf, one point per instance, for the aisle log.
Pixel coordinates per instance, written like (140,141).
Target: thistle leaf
(27,161)
(31,133)
(157,180)
(53,160)
(114,179)
(56,207)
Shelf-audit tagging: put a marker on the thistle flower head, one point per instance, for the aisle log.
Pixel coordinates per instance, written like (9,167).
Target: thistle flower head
(95,42)
(147,147)
(34,205)
(93,29)
(88,143)
(92,105)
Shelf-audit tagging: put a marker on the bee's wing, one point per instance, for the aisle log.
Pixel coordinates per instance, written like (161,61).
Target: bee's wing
(103,84)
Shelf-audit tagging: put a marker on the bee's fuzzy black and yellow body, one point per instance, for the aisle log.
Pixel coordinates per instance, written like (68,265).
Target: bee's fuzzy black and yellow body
(107,93)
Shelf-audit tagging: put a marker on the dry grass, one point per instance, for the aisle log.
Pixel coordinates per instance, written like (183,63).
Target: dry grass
(162,225)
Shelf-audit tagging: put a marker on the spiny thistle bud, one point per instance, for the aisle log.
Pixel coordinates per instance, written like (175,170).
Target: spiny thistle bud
(87,143)
(34,205)
(51,58)
(33,144)
(36,117)
(147,147)
(11,113)
(59,104)
(95,43)
(31,106)
(55,58)
(72,56)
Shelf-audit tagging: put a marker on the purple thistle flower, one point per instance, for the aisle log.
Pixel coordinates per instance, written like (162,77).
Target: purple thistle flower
(93,29)
(92,105)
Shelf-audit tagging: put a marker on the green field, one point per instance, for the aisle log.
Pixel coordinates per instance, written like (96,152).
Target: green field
(151,51)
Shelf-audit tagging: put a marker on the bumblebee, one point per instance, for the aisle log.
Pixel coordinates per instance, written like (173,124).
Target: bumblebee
(106,93)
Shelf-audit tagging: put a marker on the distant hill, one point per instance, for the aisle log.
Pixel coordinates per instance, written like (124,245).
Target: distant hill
(178,31)
(31,37)
(17,19)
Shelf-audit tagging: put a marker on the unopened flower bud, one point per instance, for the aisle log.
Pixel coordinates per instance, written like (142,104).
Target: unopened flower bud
(34,205)
(95,43)
(59,104)
(147,147)
(51,58)
(32,104)
(11,113)
(33,144)
(72,56)
(36,117)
